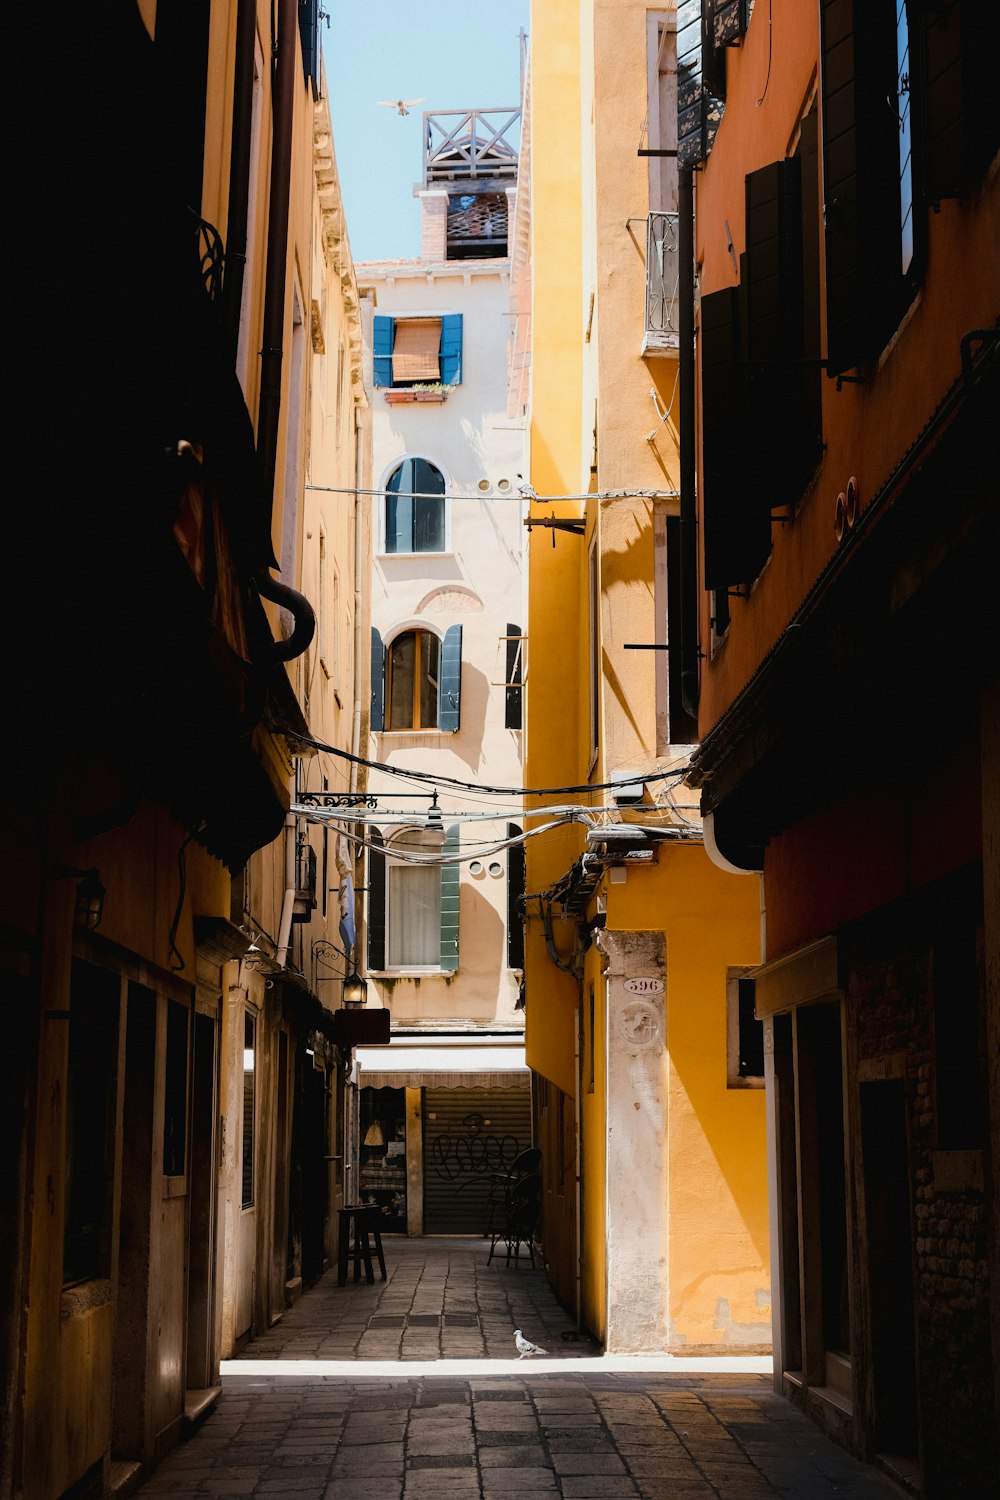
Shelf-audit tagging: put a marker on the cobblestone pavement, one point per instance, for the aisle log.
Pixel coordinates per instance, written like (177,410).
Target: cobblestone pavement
(410,1390)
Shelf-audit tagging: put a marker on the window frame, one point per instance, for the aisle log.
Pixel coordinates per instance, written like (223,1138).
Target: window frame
(420,634)
(452,333)
(734,1078)
(383,510)
(377,935)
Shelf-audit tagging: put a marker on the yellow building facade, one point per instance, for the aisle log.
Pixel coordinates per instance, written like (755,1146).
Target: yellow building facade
(170,1046)
(649,1095)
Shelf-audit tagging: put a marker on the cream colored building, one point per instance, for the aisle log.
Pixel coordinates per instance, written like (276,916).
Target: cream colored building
(443,934)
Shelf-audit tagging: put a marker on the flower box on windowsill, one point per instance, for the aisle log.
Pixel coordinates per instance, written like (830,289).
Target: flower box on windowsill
(402,397)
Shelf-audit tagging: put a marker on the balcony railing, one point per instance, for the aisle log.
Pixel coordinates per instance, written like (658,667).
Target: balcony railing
(661,282)
(474,146)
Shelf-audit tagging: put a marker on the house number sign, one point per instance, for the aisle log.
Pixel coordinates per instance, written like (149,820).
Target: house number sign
(644,985)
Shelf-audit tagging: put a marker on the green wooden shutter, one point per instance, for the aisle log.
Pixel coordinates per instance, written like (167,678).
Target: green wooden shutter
(450,352)
(378,683)
(383,332)
(376,901)
(450,680)
(515,891)
(450,902)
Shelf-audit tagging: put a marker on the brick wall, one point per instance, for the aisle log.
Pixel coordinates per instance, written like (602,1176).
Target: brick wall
(899,971)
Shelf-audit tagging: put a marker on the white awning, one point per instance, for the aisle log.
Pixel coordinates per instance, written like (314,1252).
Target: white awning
(417,1066)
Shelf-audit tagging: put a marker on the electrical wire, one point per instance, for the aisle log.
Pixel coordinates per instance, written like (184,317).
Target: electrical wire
(431,778)
(643,494)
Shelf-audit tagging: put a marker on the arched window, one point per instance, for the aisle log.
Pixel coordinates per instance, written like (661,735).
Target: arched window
(417,680)
(414,675)
(411,524)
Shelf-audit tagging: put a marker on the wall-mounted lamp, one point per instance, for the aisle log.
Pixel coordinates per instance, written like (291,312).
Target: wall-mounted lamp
(89,907)
(355,992)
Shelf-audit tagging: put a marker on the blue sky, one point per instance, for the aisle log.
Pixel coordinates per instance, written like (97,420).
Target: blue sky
(452,54)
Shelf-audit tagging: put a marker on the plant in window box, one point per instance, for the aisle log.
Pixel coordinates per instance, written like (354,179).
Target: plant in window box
(434,391)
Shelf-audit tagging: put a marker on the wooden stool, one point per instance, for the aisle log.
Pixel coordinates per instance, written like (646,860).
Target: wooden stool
(358,1227)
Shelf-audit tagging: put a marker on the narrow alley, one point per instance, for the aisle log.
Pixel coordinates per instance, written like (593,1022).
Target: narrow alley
(412,1387)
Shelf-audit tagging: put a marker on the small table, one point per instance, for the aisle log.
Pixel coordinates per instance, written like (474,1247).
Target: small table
(358,1229)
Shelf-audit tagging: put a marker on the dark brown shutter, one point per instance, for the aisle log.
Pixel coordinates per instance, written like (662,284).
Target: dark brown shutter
(864,288)
(736,531)
(699,111)
(954,49)
(376,901)
(783,388)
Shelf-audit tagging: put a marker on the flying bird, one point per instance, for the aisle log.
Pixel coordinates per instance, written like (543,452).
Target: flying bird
(402,105)
(525,1347)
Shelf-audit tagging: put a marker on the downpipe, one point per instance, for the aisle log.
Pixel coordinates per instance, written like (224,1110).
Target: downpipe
(688,561)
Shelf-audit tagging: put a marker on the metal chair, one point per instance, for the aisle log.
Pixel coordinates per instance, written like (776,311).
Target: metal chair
(520,1230)
(520,1217)
(503,1183)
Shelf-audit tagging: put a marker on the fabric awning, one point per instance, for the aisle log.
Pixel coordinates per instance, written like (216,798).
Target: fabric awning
(415,349)
(416,1066)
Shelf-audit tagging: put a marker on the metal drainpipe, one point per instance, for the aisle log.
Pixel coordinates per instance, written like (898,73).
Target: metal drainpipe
(688,561)
(285,929)
(358,643)
(239,174)
(282,112)
(282,103)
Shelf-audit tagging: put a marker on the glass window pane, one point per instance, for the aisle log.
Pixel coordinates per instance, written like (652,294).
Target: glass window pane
(401,665)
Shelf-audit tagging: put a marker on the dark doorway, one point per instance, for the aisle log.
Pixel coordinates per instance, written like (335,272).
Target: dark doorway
(890,1265)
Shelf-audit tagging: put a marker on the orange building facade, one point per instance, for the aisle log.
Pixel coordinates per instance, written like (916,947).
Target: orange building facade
(847,223)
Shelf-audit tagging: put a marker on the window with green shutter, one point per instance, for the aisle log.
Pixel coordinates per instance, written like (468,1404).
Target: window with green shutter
(413,901)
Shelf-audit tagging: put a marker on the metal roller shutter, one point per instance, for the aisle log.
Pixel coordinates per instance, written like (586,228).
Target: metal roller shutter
(468,1135)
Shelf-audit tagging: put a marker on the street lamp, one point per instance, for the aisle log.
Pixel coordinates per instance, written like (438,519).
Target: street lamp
(355,992)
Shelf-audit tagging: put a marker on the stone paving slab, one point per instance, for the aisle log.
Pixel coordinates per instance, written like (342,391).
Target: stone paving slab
(306,1415)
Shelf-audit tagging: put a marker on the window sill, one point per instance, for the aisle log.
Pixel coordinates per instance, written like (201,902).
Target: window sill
(408,556)
(408,973)
(403,397)
(660,344)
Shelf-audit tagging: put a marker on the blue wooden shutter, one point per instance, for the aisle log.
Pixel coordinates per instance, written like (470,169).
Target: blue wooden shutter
(450,689)
(515,891)
(449,902)
(378,683)
(450,353)
(376,901)
(383,334)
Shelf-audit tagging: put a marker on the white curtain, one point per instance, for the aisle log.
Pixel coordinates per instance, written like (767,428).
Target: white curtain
(413,917)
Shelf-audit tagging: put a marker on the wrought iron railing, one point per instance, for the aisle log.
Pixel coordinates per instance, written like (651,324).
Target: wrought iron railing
(661,281)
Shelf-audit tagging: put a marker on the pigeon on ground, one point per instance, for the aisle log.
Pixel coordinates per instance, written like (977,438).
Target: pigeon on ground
(525,1347)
